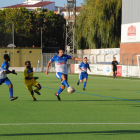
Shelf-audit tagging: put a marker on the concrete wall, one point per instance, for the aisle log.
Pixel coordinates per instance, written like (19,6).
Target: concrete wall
(31,54)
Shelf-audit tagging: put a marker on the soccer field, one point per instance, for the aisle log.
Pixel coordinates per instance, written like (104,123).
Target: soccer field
(107,110)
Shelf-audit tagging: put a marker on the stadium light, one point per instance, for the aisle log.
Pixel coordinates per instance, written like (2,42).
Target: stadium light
(70,4)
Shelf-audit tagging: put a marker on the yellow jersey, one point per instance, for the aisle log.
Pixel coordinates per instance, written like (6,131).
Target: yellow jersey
(28,73)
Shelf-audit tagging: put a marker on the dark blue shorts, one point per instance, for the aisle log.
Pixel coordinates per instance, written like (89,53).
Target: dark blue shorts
(59,74)
(83,75)
(6,81)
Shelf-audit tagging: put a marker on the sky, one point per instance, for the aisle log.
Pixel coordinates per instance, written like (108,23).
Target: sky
(4,3)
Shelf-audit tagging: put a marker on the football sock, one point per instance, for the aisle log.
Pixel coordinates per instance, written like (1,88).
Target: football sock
(79,81)
(66,83)
(11,92)
(32,95)
(37,89)
(59,91)
(84,85)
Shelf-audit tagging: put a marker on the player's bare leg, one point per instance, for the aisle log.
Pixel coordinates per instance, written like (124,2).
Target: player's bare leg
(11,92)
(38,88)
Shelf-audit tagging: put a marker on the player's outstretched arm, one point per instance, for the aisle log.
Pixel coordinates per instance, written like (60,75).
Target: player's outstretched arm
(78,59)
(8,71)
(47,70)
(14,72)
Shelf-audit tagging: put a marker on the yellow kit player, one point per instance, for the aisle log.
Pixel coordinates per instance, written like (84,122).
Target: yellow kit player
(30,80)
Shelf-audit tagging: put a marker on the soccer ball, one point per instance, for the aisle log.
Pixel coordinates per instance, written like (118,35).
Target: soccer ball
(70,89)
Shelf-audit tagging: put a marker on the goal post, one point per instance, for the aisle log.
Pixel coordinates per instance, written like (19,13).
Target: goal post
(138,64)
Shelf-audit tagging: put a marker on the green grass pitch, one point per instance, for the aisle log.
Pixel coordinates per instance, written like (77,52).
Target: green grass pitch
(110,106)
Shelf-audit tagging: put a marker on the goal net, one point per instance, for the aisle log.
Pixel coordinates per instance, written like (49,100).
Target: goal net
(132,70)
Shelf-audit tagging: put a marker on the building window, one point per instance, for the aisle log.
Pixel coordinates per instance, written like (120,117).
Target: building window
(30,51)
(5,51)
(17,51)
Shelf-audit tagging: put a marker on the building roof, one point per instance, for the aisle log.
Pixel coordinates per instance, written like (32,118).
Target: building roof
(77,9)
(59,6)
(39,4)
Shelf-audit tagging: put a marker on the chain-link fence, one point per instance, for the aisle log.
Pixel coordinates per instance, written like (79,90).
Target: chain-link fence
(41,59)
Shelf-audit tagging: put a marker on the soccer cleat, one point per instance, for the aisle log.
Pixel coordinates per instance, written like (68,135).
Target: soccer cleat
(78,83)
(37,92)
(34,99)
(13,98)
(83,88)
(58,97)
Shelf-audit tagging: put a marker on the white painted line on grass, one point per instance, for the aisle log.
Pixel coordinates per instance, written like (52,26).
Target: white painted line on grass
(68,124)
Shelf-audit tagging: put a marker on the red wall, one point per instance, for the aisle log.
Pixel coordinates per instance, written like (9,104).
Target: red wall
(72,68)
(130,49)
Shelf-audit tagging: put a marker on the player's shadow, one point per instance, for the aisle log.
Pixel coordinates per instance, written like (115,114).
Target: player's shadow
(77,100)
(134,100)
(115,132)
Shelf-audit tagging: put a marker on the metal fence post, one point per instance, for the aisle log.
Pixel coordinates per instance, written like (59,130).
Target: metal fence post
(104,57)
(123,56)
(132,57)
(96,57)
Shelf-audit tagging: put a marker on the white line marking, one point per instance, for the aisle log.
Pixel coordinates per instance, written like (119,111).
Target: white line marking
(67,123)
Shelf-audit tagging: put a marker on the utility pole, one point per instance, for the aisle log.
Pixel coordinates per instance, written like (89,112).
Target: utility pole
(70,41)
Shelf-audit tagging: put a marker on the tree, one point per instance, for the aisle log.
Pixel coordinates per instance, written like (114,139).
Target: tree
(27,26)
(22,24)
(99,24)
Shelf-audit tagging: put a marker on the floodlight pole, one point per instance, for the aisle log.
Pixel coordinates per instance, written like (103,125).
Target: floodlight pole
(13,44)
(74,24)
(71,25)
(41,38)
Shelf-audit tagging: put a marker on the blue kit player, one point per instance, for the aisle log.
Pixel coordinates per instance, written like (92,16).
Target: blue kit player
(84,75)
(3,77)
(61,69)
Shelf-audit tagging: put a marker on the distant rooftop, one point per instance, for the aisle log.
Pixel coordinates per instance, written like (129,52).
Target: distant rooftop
(29,4)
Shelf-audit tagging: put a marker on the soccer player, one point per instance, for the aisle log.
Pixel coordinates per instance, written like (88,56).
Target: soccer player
(61,68)
(114,65)
(30,81)
(3,77)
(84,75)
